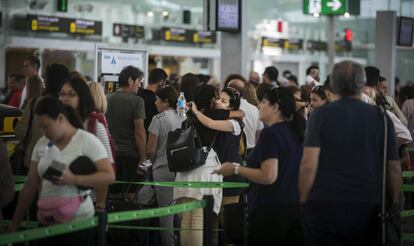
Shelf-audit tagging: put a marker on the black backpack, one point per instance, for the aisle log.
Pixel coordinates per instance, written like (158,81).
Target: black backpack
(185,151)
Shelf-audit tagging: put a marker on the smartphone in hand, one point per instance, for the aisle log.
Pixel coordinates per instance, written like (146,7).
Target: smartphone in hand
(54,170)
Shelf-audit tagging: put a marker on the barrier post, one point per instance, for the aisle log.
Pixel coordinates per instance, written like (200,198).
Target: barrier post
(208,221)
(102,226)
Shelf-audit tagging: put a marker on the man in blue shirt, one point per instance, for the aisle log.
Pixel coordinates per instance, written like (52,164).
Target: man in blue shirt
(341,169)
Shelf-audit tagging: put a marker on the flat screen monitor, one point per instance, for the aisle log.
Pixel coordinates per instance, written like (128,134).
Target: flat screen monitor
(405,31)
(228,14)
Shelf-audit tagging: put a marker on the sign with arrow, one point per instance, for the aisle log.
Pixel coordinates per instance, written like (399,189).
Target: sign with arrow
(324,7)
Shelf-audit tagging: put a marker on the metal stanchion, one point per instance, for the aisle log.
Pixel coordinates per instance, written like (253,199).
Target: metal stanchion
(102,226)
(208,221)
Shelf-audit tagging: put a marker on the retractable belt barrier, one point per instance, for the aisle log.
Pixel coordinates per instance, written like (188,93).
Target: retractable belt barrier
(55,230)
(407,213)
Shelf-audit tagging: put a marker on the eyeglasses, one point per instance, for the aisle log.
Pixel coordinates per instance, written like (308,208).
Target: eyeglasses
(69,94)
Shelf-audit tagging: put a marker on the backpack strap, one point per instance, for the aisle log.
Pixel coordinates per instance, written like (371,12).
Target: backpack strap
(91,124)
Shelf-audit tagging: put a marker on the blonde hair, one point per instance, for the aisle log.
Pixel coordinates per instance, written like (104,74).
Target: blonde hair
(98,95)
(250,94)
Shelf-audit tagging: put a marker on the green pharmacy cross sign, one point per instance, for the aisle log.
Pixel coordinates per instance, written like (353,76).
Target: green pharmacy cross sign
(324,7)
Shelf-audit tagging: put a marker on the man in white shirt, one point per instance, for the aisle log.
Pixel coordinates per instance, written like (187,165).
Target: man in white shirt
(31,66)
(252,124)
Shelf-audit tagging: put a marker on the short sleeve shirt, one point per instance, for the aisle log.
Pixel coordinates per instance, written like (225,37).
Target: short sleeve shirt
(123,109)
(276,142)
(350,135)
(149,98)
(82,144)
(161,124)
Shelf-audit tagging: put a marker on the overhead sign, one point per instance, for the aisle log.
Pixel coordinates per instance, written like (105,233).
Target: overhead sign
(290,44)
(313,45)
(203,37)
(175,35)
(42,23)
(343,46)
(87,27)
(113,61)
(324,7)
(181,35)
(128,31)
(272,42)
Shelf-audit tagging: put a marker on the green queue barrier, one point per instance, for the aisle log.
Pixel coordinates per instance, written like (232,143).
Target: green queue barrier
(55,230)
(44,232)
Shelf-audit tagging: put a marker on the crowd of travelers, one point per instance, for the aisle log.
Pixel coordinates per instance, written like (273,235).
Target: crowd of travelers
(312,151)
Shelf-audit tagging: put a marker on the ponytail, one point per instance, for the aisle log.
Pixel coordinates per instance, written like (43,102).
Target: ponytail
(287,105)
(298,125)
(52,107)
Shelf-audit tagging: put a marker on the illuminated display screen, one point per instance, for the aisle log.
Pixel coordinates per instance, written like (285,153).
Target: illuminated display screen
(228,14)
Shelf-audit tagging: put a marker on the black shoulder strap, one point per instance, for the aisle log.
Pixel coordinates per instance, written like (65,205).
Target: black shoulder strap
(384,176)
(212,142)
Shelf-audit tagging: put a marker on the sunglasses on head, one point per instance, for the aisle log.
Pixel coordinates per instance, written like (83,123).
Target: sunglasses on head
(236,92)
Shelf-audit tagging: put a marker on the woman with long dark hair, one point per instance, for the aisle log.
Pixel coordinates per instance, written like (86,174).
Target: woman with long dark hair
(75,93)
(273,169)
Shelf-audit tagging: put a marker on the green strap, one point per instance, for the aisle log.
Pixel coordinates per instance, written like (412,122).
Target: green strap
(408,174)
(19,179)
(407,213)
(49,231)
(410,149)
(54,230)
(194,184)
(407,236)
(18,187)
(156,212)
(407,187)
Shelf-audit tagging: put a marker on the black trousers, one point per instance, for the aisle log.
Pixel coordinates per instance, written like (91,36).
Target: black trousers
(340,223)
(126,170)
(277,224)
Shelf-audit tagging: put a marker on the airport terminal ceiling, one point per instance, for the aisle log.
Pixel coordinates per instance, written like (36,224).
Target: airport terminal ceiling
(157,13)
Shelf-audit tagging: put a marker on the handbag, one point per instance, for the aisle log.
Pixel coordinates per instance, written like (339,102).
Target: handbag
(56,210)
(185,151)
(17,158)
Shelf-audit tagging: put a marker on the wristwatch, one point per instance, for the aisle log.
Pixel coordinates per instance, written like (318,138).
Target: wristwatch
(236,168)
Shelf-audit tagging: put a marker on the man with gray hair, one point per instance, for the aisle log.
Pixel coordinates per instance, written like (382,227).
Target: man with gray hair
(341,169)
